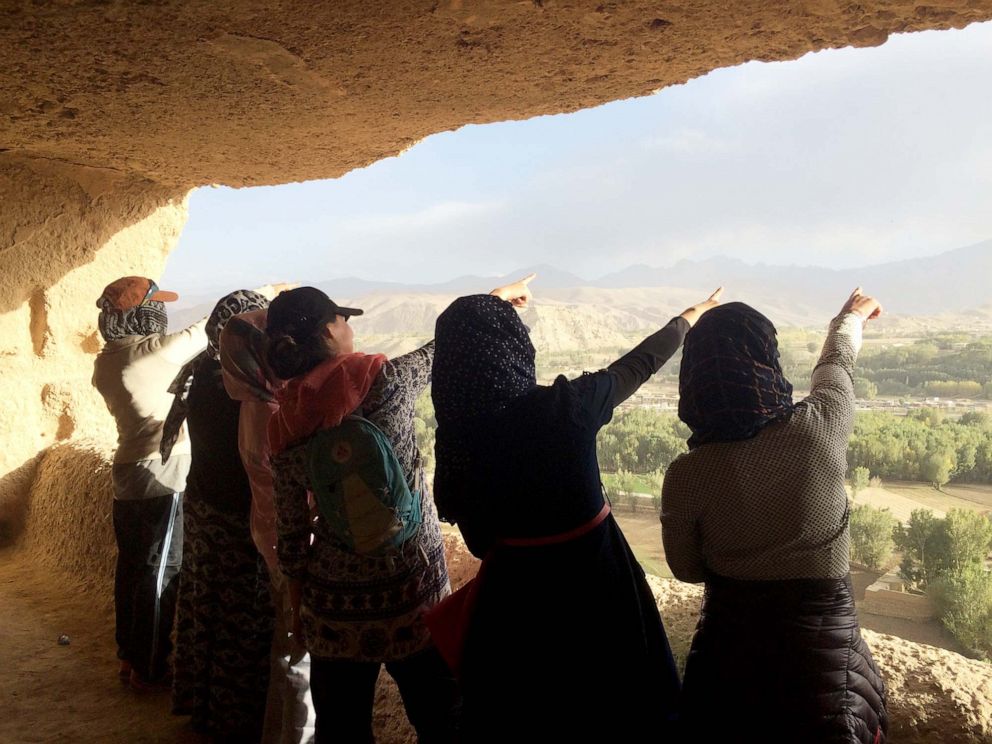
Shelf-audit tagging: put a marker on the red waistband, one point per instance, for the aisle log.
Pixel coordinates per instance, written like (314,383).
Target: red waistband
(562,537)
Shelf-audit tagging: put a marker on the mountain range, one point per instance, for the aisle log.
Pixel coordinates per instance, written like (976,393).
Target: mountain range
(573,313)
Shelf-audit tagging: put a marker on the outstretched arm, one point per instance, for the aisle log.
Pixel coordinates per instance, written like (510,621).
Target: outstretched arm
(414,366)
(832,385)
(181,346)
(635,367)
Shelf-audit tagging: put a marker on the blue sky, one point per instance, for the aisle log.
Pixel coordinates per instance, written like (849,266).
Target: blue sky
(844,157)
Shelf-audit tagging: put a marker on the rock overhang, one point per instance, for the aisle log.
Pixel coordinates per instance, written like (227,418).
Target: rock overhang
(249,93)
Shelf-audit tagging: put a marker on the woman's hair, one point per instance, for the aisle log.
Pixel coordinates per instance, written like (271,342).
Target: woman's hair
(289,357)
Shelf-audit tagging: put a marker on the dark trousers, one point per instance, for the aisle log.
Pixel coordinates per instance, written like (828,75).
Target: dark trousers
(149,553)
(343,693)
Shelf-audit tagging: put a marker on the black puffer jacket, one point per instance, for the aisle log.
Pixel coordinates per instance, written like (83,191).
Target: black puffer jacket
(781,661)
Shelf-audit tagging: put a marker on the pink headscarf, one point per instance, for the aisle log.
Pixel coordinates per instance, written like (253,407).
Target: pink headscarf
(247,378)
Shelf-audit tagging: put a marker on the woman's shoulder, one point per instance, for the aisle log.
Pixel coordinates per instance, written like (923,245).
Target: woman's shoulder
(803,428)
(562,395)
(685,466)
(581,390)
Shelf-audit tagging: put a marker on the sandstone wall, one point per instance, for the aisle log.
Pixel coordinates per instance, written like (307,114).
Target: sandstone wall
(64,234)
(244,92)
(70,528)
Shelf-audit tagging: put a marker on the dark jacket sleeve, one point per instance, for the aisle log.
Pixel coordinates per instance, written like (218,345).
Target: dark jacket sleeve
(635,367)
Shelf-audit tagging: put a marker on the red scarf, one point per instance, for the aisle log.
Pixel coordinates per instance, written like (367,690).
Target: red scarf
(322,397)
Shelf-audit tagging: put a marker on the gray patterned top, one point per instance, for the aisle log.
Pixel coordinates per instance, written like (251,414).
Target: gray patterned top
(773,506)
(358,607)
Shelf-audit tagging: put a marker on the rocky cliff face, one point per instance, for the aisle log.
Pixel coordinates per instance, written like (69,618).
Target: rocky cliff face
(63,236)
(247,93)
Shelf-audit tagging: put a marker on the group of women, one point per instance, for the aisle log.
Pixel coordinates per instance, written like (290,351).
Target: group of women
(559,636)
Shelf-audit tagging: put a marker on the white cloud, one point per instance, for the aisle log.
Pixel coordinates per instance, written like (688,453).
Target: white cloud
(686,141)
(436,216)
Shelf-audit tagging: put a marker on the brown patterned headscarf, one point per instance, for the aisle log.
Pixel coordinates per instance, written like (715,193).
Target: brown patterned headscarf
(731,383)
(235,303)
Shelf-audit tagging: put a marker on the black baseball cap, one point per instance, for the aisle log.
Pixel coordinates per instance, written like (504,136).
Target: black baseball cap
(299,312)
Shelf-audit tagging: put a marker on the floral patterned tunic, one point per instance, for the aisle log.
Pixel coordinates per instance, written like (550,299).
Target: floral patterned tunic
(361,607)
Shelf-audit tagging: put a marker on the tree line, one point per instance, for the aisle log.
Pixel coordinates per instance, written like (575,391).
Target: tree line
(945,365)
(924,446)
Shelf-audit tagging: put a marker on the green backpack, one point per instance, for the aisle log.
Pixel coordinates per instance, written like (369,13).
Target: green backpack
(362,494)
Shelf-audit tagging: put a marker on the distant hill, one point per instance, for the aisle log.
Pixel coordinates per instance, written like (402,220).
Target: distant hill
(572,313)
(949,282)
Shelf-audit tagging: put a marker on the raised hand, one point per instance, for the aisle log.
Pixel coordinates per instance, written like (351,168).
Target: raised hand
(867,307)
(692,314)
(517,294)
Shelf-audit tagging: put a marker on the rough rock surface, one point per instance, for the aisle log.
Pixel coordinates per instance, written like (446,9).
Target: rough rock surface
(70,529)
(253,92)
(63,237)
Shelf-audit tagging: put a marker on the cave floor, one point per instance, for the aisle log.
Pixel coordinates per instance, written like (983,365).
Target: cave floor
(53,693)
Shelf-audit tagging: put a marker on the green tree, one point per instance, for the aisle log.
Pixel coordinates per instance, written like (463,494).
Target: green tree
(963,600)
(921,541)
(657,479)
(937,468)
(929,416)
(969,538)
(865,389)
(935,548)
(979,420)
(872,536)
(860,478)
(622,493)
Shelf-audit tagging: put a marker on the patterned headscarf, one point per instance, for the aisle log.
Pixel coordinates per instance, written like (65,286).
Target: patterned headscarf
(731,383)
(242,358)
(240,301)
(483,360)
(146,319)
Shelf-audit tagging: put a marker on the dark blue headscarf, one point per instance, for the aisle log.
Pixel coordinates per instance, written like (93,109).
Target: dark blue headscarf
(483,360)
(731,383)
